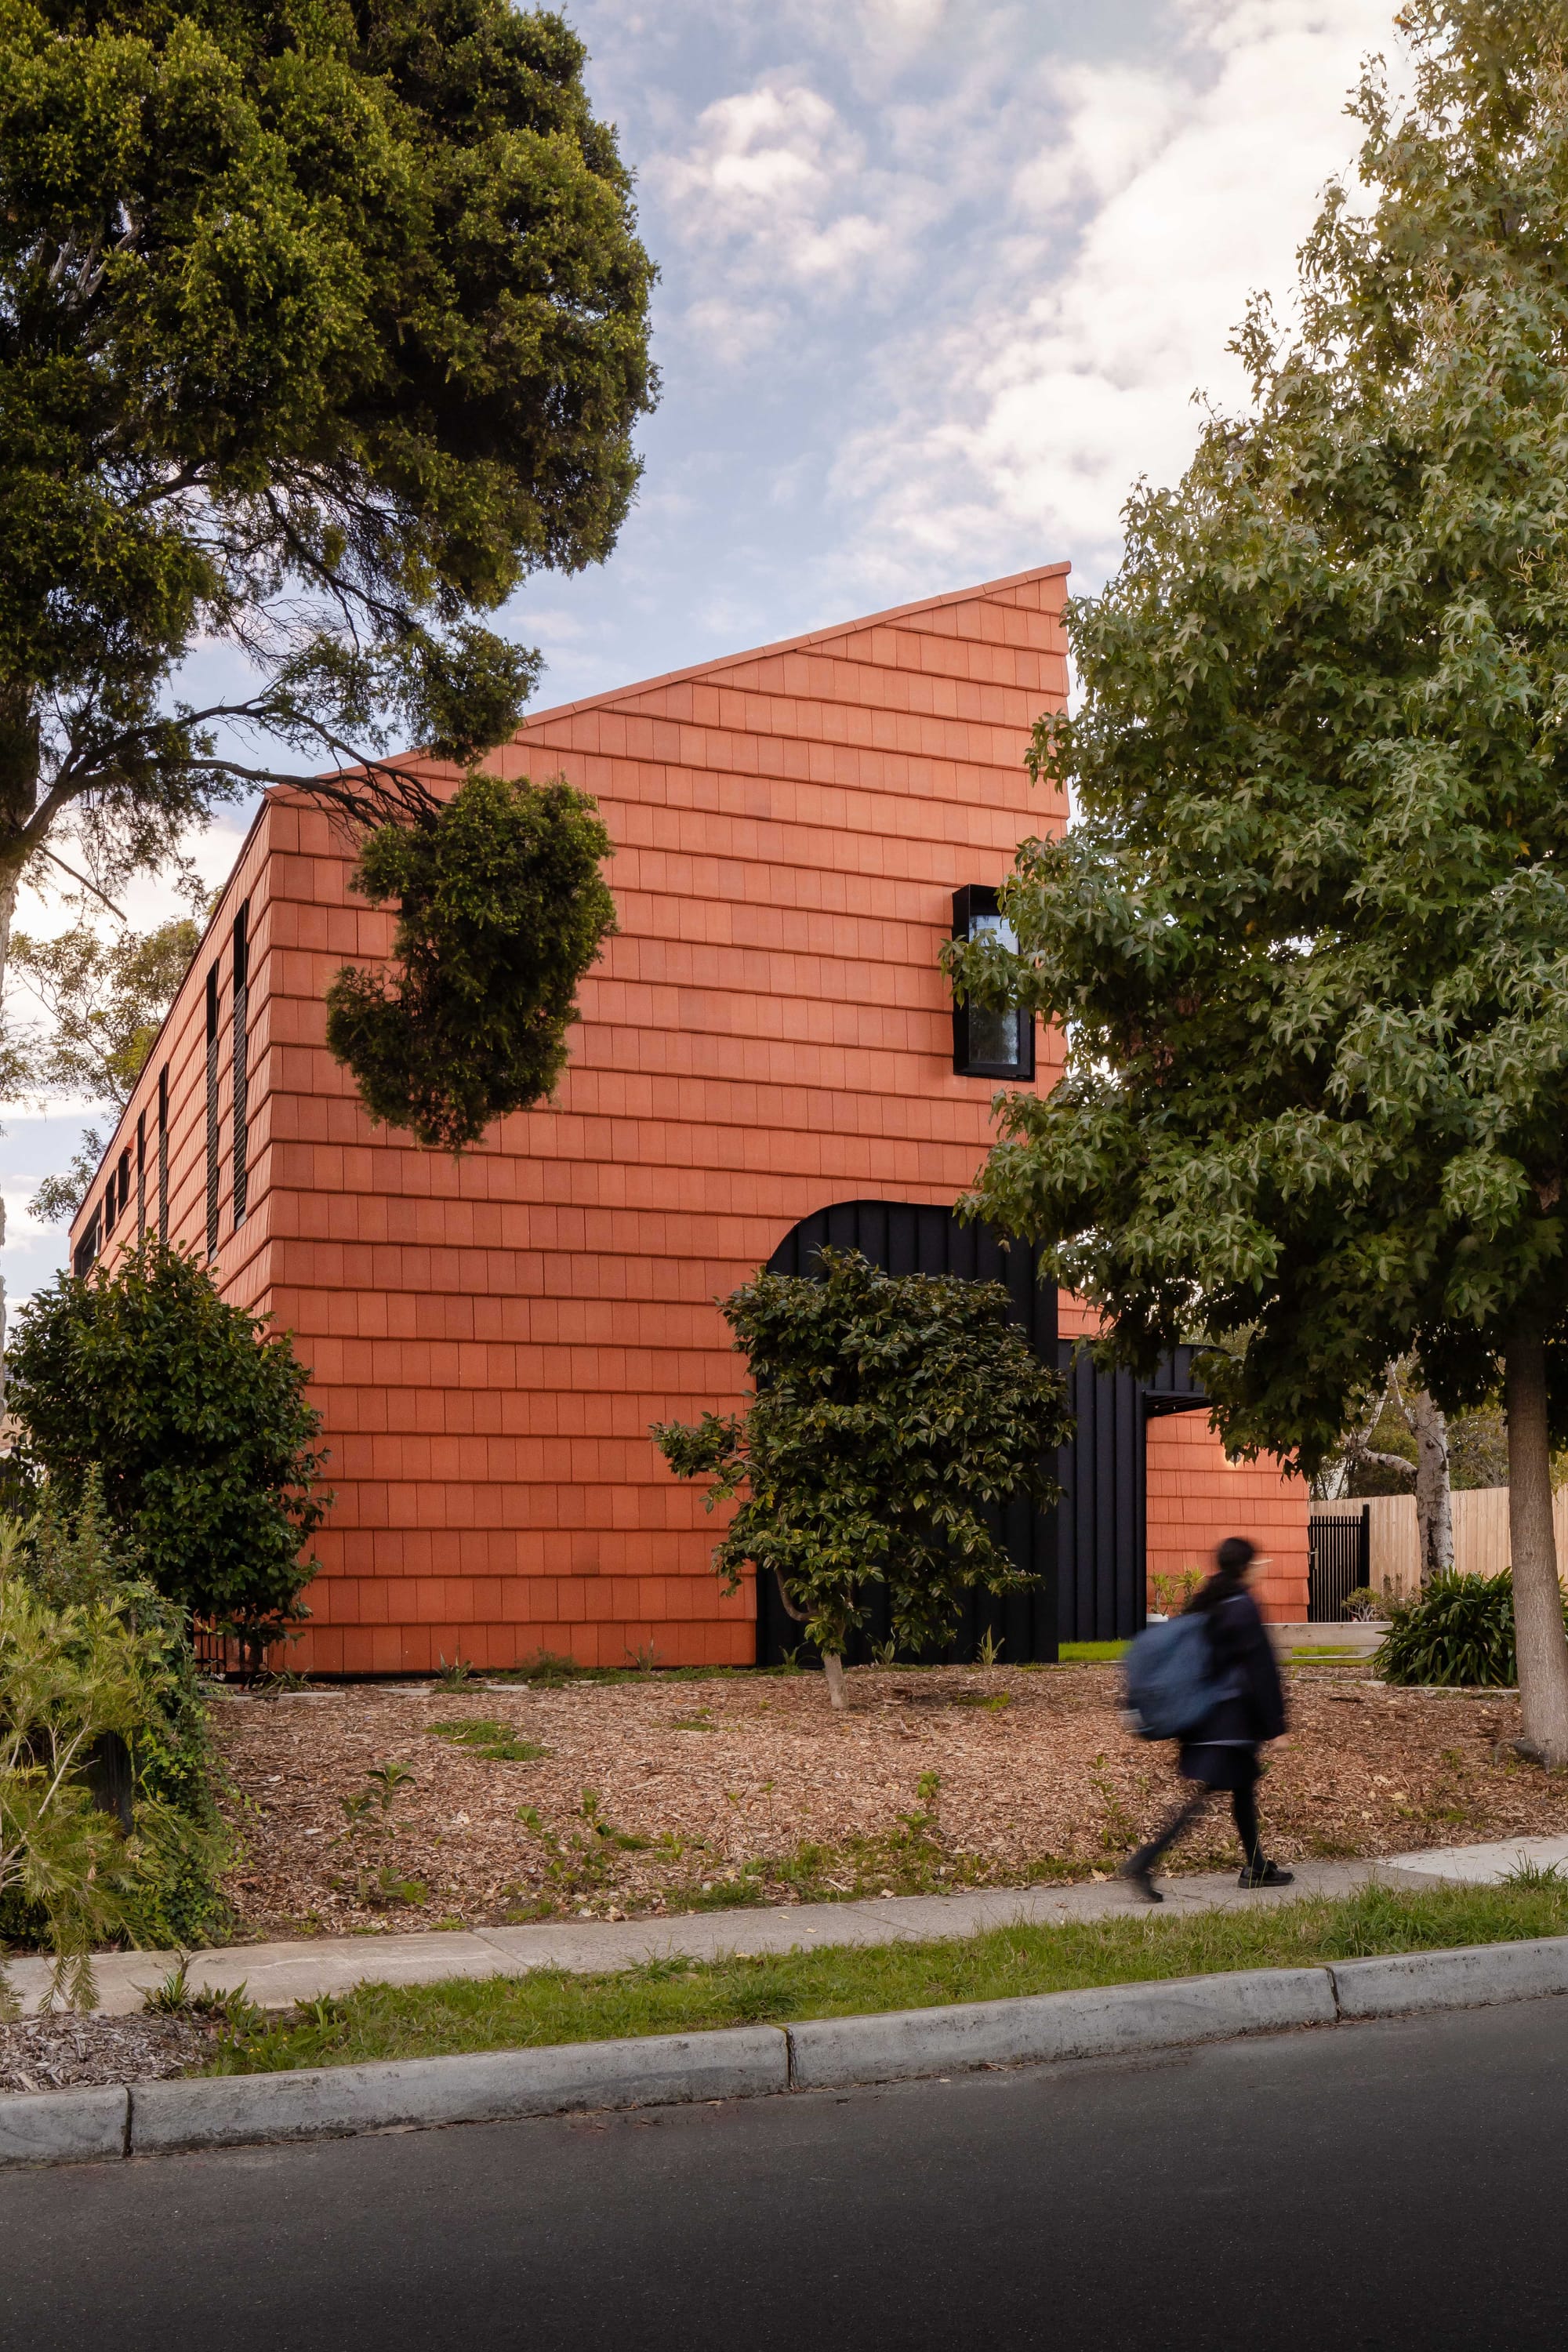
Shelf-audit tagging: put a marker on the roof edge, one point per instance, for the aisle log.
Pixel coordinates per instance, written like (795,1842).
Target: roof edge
(893,612)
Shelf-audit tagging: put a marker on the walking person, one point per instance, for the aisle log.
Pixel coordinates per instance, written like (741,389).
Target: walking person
(1221,1750)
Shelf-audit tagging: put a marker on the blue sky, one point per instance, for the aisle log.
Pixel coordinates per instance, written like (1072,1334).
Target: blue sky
(940,278)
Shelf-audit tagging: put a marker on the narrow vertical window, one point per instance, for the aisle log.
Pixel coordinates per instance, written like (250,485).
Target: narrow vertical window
(125,1184)
(86,1249)
(988,1042)
(109,1206)
(141,1174)
(241,1062)
(212,1135)
(164,1155)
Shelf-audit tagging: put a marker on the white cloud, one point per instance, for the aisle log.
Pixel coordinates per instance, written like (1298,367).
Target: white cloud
(1067,375)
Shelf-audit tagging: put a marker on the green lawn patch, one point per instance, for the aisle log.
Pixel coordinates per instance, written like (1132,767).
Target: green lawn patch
(672,1996)
(1091,1654)
(496,1741)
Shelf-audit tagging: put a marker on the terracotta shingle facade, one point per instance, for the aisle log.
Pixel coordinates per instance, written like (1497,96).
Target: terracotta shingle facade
(768,1034)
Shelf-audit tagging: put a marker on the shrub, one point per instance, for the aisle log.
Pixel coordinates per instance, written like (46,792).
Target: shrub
(156,1771)
(1458,1630)
(889,1412)
(197,1420)
(70,1678)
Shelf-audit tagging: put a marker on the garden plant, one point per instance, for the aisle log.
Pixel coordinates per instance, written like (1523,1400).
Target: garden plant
(195,1419)
(890,1413)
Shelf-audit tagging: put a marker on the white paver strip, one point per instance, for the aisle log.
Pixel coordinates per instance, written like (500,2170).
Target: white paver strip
(1483,1865)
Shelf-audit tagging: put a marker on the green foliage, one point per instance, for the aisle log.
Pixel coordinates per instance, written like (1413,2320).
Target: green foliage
(1309,933)
(166,1879)
(501,911)
(322,332)
(70,1678)
(104,1000)
(1459,1630)
(197,1420)
(889,1411)
(494,1741)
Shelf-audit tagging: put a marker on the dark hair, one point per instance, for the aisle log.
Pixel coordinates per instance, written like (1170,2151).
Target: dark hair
(1233,1558)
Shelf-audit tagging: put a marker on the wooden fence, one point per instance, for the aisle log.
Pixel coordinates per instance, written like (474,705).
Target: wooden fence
(1480,1534)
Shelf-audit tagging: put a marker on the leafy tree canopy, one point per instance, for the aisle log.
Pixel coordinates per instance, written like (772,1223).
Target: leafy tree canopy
(197,1420)
(320,327)
(1311,933)
(502,910)
(889,1410)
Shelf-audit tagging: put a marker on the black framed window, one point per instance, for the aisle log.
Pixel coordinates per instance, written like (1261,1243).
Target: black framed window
(125,1184)
(214,1132)
(86,1249)
(140,1173)
(164,1154)
(241,1063)
(986,1043)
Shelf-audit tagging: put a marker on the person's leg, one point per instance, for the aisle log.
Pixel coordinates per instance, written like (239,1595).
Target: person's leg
(1257,1870)
(1244,1809)
(1138,1866)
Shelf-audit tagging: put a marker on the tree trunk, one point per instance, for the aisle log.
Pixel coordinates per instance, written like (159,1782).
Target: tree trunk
(1434,1498)
(1537,1596)
(833,1668)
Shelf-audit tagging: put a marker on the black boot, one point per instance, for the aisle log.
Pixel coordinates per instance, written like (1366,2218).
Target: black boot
(1265,1873)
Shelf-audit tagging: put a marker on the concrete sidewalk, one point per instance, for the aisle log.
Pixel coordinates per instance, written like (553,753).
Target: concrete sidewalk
(277,1975)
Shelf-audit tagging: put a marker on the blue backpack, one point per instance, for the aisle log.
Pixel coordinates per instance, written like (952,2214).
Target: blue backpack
(1171,1679)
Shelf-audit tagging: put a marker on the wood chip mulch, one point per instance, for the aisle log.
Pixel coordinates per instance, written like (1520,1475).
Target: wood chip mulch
(355,1815)
(65,2051)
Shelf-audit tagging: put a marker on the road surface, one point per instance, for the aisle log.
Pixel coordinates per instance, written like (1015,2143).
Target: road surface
(1383,2186)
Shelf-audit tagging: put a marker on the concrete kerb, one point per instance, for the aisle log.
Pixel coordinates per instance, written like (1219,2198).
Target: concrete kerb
(752,2062)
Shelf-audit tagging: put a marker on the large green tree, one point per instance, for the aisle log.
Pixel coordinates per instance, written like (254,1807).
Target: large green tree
(889,1412)
(1309,934)
(321,327)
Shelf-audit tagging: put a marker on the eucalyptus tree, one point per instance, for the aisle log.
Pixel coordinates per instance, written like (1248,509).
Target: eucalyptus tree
(1310,931)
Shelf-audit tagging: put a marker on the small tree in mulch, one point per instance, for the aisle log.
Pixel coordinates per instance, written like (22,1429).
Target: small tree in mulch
(890,1413)
(195,1415)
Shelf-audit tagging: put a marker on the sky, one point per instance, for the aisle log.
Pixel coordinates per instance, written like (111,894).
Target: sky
(940,281)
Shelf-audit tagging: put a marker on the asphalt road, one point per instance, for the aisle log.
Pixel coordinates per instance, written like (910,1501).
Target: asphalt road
(1377,2186)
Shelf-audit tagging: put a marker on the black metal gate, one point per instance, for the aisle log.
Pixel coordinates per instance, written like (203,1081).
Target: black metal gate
(1339,1561)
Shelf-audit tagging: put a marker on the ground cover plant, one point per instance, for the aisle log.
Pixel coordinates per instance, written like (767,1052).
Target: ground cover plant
(890,1416)
(675,1995)
(660,1795)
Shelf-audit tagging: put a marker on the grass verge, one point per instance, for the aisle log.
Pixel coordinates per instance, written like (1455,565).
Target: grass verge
(674,1996)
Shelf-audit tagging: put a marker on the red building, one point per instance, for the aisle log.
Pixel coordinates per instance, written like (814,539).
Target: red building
(768,1036)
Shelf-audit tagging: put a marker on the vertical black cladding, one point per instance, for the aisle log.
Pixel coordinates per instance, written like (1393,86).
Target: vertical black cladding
(904,1238)
(241,1062)
(214,1137)
(1088,1555)
(141,1174)
(164,1155)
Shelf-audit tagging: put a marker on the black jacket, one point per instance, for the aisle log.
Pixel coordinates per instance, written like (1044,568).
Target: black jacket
(1254,1707)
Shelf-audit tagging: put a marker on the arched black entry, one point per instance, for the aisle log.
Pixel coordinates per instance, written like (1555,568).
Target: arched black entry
(1087,1556)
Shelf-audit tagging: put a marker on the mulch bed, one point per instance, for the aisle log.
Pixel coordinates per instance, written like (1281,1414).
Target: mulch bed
(58,2053)
(355,1815)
